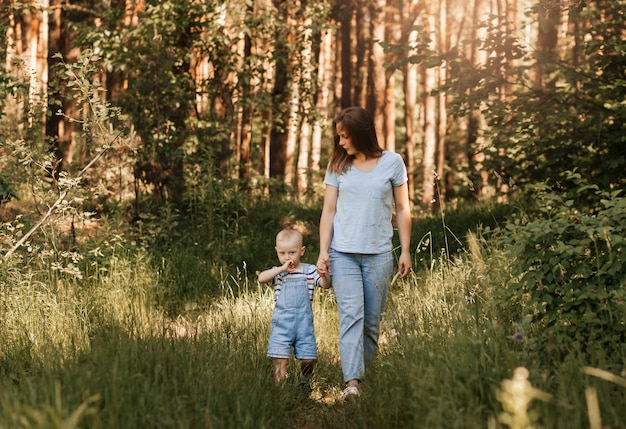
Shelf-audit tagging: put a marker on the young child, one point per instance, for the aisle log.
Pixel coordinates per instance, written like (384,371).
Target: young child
(292,320)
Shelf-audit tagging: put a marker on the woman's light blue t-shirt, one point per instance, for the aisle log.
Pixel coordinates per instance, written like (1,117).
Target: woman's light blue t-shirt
(362,221)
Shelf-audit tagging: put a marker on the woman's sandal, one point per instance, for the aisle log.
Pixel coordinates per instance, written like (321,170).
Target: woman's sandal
(350,391)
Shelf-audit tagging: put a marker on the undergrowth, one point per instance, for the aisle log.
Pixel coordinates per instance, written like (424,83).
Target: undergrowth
(105,351)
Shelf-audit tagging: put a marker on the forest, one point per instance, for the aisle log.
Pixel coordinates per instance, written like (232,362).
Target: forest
(150,151)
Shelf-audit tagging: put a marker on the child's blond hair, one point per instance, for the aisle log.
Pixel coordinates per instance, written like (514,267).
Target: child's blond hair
(289,234)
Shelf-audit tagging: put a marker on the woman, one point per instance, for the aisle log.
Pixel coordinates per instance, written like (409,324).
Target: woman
(363,183)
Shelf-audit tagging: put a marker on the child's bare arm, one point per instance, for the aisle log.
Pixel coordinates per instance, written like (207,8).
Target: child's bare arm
(268,275)
(324,282)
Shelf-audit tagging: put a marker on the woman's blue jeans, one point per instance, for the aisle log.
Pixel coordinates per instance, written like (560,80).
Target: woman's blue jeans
(360,282)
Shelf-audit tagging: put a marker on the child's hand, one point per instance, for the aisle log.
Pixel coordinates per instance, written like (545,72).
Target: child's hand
(289,265)
(322,265)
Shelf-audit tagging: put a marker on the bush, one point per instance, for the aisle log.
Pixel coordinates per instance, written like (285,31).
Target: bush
(570,267)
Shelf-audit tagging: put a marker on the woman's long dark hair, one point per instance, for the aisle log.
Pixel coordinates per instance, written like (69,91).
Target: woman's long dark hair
(359,125)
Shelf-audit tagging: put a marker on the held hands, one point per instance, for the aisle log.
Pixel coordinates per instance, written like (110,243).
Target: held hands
(322,264)
(404,265)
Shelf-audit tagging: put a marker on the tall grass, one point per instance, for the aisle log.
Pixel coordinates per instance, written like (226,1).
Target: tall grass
(104,349)
(102,353)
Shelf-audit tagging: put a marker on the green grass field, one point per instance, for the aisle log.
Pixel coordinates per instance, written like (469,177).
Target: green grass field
(101,351)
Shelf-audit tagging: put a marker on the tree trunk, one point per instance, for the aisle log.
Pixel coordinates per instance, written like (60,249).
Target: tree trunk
(377,70)
(59,129)
(245,139)
(305,96)
(506,88)
(430,116)
(266,146)
(441,99)
(475,139)
(29,34)
(292,132)
(266,121)
(394,36)
(363,46)
(324,78)
(576,35)
(293,97)
(390,115)
(345,17)
(278,138)
(410,97)
(547,38)
(409,37)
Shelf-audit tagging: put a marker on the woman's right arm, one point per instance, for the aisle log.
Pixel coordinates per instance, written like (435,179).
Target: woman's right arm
(326,228)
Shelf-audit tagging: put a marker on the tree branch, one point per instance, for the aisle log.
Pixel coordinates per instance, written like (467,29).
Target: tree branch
(51,209)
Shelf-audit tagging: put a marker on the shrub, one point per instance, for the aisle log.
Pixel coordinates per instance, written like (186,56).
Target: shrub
(570,267)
